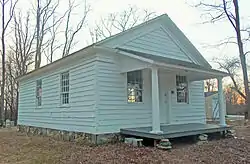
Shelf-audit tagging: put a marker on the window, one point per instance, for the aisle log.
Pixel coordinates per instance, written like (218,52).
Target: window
(39,92)
(65,88)
(134,85)
(182,89)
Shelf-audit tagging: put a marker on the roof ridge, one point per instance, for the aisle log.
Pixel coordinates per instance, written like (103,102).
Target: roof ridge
(132,28)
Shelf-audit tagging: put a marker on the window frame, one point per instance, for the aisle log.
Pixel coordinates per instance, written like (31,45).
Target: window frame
(187,94)
(137,80)
(64,88)
(38,94)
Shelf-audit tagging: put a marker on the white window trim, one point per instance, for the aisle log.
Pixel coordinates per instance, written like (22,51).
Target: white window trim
(188,90)
(36,100)
(60,91)
(143,88)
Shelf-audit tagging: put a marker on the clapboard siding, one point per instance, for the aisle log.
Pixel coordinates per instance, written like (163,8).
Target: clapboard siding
(114,112)
(78,116)
(195,110)
(157,42)
(98,99)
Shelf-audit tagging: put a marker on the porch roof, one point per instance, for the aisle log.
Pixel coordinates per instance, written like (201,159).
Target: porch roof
(187,68)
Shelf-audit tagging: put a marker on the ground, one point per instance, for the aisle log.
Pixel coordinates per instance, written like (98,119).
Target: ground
(22,149)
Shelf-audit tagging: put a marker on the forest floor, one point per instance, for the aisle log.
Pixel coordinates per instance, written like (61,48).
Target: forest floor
(18,148)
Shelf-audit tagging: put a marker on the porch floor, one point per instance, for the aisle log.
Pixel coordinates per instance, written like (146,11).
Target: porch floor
(175,130)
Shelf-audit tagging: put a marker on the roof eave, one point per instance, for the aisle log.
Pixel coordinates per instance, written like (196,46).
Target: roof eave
(210,71)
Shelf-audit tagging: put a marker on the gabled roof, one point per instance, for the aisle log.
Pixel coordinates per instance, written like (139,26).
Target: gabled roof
(170,25)
(163,19)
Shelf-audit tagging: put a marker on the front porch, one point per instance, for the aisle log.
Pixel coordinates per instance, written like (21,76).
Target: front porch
(169,86)
(174,130)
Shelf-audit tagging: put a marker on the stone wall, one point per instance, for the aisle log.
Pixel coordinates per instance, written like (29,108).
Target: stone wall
(78,137)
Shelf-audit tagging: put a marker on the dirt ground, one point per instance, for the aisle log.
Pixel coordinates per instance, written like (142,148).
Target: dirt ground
(16,148)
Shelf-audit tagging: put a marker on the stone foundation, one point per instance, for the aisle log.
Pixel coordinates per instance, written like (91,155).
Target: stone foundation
(202,139)
(78,137)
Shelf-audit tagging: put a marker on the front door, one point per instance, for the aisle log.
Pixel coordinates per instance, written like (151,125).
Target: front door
(164,108)
(164,89)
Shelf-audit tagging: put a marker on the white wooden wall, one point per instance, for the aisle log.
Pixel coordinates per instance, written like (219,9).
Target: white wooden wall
(78,116)
(114,112)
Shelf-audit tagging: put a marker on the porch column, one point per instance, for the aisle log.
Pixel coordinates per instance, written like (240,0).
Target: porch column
(155,102)
(221,102)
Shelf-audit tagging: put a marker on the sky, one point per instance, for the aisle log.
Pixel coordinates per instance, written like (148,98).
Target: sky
(186,17)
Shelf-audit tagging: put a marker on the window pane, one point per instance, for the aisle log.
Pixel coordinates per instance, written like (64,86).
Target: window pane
(39,92)
(181,89)
(135,86)
(65,98)
(65,88)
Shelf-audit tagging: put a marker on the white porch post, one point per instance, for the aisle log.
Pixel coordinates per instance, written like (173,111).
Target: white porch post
(155,102)
(221,102)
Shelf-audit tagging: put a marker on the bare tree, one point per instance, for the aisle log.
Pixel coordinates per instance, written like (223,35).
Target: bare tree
(19,58)
(45,23)
(43,13)
(6,19)
(11,89)
(231,66)
(70,32)
(53,43)
(210,85)
(119,22)
(48,24)
(23,49)
(232,96)
(229,10)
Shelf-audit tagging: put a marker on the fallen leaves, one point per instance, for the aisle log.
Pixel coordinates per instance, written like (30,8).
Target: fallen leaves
(22,149)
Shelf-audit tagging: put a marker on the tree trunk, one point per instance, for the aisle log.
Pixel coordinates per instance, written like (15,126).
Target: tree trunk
(12,99)
(245,79)
(38,49)
(5,112)
(242,56)
(3,65)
